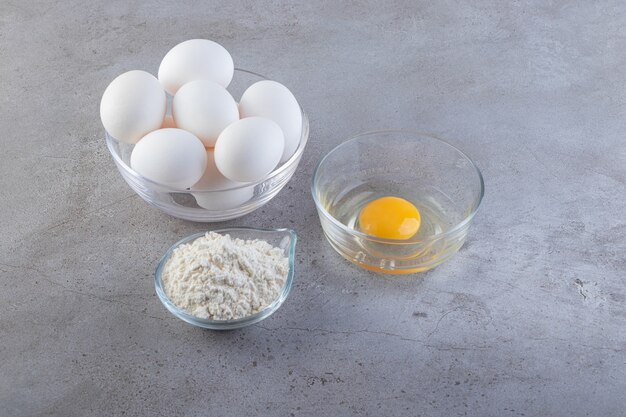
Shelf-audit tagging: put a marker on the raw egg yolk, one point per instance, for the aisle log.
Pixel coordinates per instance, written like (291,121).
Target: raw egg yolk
(390,218)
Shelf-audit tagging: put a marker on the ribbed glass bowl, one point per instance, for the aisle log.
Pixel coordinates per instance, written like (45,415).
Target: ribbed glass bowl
(281,238)
(224,204)
(440,180)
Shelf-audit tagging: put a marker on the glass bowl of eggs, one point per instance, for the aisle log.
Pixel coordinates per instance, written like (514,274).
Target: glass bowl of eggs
(396,202)
(213,198)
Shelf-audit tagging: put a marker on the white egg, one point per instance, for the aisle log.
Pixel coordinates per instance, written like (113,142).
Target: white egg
(214,181)
(195,59)
(273,100)
(172,157)
(249,149)
(204,108)
(132,106)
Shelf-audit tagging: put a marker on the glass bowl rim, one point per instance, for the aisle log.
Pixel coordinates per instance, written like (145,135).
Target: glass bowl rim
(362,235)
(294,159)
(232,323)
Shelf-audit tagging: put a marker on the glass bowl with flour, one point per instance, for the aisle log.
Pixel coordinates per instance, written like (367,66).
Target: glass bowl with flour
(229,278)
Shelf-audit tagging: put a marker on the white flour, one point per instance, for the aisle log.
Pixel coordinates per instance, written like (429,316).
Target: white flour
(218,278)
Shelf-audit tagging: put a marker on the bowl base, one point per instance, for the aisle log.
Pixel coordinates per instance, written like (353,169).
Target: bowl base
(387,267)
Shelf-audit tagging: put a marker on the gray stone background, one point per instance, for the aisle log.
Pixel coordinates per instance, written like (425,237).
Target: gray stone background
(528,319)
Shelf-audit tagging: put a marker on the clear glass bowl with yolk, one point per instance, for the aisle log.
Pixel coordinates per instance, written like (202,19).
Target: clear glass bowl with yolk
(396,202)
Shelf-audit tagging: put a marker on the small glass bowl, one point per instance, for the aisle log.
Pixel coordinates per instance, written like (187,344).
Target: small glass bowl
(440,180)
(218,205)
(281,238)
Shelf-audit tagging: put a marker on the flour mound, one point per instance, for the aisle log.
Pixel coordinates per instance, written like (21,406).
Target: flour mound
(219,278)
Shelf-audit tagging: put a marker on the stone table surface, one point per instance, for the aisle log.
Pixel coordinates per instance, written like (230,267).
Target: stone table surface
(528,319)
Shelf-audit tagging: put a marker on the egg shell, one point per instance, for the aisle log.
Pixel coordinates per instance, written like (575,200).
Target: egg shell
(204,108)
(132,106)
(249,149)
(274,101)
(214,181)
(195,59)
(172,157)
